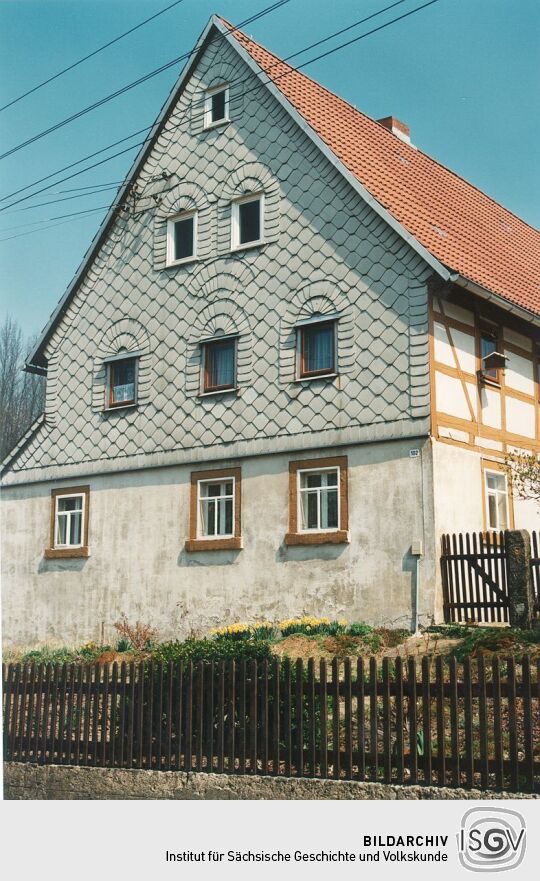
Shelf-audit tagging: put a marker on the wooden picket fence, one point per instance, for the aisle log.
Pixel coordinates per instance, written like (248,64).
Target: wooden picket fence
(400,721)
(474,581)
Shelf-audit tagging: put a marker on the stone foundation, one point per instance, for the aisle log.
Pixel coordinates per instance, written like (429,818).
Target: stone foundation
(26,781)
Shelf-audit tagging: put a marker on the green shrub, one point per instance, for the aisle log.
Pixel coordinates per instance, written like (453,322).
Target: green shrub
(47,655)
(196,650)
(358,628)
(124,645)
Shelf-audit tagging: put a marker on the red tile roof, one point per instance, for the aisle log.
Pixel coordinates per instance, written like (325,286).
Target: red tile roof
(463,228)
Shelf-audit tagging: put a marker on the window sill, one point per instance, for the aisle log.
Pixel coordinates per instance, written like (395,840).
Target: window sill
(59,553)
(247,246)
(220,123)
(317,376)
(132,406)
(223,391)
(214,544)
(172,264)
(302,539)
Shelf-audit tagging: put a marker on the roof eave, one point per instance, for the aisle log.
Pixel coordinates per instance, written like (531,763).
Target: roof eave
(498,300)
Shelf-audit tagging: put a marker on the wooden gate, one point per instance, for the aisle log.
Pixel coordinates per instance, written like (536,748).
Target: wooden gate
(474,578)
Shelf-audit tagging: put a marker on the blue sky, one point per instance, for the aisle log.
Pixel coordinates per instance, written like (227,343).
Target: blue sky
(464,74)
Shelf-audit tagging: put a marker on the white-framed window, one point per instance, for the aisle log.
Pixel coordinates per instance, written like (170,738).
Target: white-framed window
(182,238)
(316,348)
(247,221)
(318,500)
(216,508)
(122,382)
(216,106)
(496,486)
(69,520)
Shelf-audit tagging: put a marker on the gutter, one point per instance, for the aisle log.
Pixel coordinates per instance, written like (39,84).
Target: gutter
(496,299)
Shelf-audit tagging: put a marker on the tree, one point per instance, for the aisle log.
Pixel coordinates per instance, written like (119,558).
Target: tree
(22,395)
(524,469)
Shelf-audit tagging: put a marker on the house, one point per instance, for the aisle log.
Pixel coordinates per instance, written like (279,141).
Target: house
(295,353)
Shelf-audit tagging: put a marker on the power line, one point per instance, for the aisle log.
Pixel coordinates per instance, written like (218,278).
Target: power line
(90,55)
(52,225)
(129,86)
(148,128)
(78,195)
(262,72)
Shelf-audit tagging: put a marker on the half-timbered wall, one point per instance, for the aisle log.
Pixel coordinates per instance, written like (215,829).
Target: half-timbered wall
(486,414)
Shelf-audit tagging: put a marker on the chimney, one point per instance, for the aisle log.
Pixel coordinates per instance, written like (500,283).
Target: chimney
(399,129)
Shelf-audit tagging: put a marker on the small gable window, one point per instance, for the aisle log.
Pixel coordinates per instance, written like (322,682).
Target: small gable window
(247,221)
(122,382)
(316,349)
(216,106)
(182,237)
(219,365)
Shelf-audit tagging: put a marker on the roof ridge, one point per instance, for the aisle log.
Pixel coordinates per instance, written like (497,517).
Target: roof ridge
(417,150)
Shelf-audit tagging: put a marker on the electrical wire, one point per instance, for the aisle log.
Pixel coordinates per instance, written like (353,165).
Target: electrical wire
(148,128)
(274,80)
(90,55)
(128,87)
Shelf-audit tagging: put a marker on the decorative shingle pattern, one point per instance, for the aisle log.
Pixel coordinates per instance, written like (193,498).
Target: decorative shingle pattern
(463,228)
(328,250)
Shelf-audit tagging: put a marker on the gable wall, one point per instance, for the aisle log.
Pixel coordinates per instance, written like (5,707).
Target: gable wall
(326,250)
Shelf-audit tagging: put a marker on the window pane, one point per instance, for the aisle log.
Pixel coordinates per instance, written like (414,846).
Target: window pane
(309,510)
(492,512)
(208,515)
(331,478)
(211,489)
(311,480)
(220,365)
(183,238)
(318,349)
(123,381)
(226,517)
(501,505)
(62,529)
(488,344)
(70,504)
(250,221)
(218,106)
(76,524)
(329,509)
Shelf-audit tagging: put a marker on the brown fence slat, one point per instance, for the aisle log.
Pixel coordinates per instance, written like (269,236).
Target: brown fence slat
(497,722)
(426,720)
(253,716)
(468,718)
(527,723)
(441,727)
(287,716)
(312,733)
(242,715)
(387,742)
(231,713)
(276,697)
(454,721)
(348,718)
(323,704)
(179,715)
(336,752)
(400,764)
(361,719)
(199,715)
(512,723)
(482,722)
(413,721)
(299,714)
(373,720)
(265,749)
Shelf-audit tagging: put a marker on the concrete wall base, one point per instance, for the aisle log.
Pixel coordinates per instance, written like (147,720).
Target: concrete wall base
(26,781)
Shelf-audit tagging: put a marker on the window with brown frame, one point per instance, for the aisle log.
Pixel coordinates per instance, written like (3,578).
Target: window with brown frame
(317,356)
(215,510)
(122,382)
(318,502)
(69,522)
(220,365)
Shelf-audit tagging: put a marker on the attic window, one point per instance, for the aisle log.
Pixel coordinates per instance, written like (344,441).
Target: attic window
(122,383)
(181,238)
(247,221)
(216,106)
